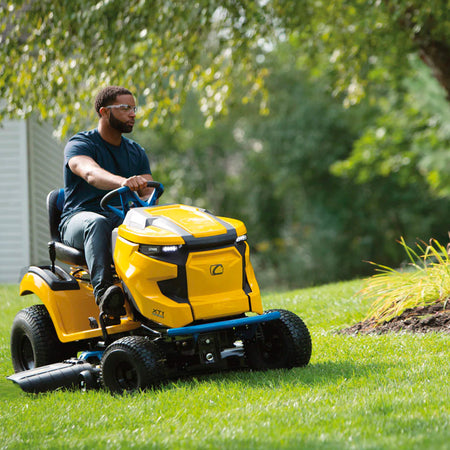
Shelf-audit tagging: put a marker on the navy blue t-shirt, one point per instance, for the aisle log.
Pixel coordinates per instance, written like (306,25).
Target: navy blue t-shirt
(126,160)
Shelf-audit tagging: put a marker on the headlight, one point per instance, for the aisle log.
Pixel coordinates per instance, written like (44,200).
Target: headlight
(241,238)
(153,250)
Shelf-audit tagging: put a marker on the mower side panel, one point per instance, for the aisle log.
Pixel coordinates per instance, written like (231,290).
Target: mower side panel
(141,275)
(70,309)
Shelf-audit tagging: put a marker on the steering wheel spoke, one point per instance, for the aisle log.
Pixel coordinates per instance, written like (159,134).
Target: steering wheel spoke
(129,199)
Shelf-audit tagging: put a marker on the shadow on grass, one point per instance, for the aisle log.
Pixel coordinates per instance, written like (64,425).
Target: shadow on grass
(323,373)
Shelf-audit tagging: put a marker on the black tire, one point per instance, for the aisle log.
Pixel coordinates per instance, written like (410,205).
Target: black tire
(281,343)
(34,341)
(132,363)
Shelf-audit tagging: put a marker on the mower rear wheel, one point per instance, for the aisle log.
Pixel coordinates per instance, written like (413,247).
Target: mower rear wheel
(34,341)
(132,363)
(281,343)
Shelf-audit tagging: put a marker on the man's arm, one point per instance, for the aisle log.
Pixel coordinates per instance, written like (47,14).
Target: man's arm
(86,168)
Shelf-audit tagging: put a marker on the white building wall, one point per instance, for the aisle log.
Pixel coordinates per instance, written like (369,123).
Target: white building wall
(14,204)
(31,163)
(46,156)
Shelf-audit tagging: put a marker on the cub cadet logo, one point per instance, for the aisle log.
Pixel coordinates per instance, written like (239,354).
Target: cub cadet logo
(158,313)
(216,269)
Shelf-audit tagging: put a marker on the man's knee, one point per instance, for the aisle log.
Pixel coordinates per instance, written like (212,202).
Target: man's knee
(98,224)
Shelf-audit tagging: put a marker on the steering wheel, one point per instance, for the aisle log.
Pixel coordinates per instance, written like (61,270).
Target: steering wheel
(129,199)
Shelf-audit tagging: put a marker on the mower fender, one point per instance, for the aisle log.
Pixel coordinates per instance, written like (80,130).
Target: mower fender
(69,302)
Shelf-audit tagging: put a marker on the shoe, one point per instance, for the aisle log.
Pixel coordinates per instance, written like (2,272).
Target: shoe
(112,301)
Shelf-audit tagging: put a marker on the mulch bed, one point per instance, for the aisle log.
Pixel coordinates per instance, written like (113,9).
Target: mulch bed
(423,319)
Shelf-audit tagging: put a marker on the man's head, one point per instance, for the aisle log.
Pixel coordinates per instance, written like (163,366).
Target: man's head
(116,106)
(107,96)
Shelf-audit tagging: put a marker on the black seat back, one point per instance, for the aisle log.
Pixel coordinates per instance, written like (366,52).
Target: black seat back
(64,253)
(55,204)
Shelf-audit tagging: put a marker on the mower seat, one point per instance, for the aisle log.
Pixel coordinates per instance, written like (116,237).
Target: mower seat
(63,252)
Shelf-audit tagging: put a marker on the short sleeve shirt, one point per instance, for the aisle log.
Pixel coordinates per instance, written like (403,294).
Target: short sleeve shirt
(126,160)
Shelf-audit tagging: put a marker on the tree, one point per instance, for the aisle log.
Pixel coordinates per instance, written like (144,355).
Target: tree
(316,227)
(53,54)
(367,41)
(373,49)
(305,225)
(409,138)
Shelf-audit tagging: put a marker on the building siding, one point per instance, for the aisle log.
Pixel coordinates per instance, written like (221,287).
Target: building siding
(30,167)
(45,156)
(14,204)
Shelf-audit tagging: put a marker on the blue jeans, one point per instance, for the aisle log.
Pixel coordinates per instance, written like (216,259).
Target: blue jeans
(91,232)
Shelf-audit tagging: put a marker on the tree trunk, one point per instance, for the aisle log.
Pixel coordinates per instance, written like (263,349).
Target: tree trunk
(436,55)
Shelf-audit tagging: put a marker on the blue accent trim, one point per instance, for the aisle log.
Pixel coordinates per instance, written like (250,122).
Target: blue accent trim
(214,326)
(129,198)
(157,192)
(60,200)
(89,354)
(126,197)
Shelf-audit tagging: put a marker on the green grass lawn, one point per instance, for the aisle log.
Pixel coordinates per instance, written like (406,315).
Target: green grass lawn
(362,392)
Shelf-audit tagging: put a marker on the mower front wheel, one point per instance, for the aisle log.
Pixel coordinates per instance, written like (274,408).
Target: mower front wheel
(281,343)
(132,363)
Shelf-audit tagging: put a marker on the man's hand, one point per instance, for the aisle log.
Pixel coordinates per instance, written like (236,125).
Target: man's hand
(136,183)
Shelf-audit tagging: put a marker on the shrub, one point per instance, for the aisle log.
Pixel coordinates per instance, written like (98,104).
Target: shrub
(424,281)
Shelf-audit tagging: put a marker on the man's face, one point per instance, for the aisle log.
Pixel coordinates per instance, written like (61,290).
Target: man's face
(120,119)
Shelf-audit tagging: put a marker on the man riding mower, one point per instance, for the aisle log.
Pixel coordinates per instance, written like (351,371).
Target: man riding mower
(192,305)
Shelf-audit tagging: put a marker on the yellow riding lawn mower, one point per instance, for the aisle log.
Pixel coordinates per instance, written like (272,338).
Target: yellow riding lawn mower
(192,305)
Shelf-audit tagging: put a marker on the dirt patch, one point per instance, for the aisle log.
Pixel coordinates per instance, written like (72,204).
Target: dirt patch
(423,319)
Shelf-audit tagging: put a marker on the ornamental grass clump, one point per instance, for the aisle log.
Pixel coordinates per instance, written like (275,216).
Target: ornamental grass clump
(425,281)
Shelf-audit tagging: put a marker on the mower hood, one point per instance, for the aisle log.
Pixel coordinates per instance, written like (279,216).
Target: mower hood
(178,225)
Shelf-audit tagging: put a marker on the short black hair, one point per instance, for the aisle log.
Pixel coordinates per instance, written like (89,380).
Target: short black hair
(108,95)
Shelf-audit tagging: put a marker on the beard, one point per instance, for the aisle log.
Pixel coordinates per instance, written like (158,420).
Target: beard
(118,125)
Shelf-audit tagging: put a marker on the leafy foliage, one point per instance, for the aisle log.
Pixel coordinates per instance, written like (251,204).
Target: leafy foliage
(222,64)
(306,225)
(317,227)
(54,54)
(409,139)
(365,42)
